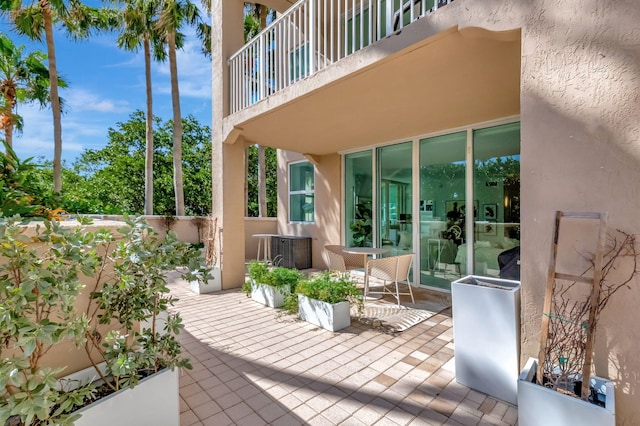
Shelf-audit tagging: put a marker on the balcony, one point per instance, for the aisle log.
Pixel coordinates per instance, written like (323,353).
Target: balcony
(309,37)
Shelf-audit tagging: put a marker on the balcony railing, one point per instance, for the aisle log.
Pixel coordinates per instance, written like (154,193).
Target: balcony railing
(311,35)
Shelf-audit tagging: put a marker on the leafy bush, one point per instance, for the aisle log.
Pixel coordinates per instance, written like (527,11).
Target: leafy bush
(38,293)
(326,287)
(279,277)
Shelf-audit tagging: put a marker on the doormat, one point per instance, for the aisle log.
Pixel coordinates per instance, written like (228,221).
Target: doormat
(386,314)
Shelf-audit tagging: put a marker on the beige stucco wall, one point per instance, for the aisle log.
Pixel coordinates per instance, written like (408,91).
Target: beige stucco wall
(581,152)
(257,225)
(328,193)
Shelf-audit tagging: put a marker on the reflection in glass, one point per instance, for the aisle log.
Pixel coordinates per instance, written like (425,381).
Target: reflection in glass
(358,199)
(497,187)
(442,207)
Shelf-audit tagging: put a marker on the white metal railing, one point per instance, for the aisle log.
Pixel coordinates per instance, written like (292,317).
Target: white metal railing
(311,35)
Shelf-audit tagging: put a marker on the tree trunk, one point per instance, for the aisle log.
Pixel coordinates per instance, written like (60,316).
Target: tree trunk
(148,160)
(177,126)
(55,97)
(262,184)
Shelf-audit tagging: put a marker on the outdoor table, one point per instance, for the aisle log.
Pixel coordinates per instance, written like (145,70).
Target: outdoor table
(264,242)
(366,252)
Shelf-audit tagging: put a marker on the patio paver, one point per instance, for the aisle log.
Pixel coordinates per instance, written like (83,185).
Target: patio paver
(254,365)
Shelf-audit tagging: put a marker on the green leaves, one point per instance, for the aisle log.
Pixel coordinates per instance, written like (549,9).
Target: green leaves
(41,278)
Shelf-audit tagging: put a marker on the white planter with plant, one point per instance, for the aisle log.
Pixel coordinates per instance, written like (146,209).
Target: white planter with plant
(212,280)
(212,283)
(155,400)
(550,388)
(538,405)
(325,301)
(270,286)
(88,289)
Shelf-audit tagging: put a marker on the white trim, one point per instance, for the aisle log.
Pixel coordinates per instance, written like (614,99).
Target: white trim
(301,192)
(475,126)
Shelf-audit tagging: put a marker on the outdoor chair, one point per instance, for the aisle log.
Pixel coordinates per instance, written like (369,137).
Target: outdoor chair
(393,269)
(341,261)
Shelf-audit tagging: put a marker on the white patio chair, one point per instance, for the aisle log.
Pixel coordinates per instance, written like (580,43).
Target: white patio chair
(341,261)
(393,269)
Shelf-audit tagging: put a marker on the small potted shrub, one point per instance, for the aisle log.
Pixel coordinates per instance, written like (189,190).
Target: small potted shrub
(324,300)
(270,285)
(80,286)
(209,280)
(560,399)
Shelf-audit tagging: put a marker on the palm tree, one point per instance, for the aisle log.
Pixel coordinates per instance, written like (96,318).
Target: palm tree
(255,21)
(37,19)
(174,14)
(139,27)
(22,79)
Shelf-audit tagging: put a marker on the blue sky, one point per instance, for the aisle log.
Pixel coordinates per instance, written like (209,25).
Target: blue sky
(106,84)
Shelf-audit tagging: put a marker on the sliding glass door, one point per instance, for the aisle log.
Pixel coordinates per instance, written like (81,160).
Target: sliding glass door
(467,202)
(359,199)
(442,207)
(395,205)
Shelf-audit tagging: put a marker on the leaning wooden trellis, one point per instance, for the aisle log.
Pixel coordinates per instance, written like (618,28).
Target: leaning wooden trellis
(565,317)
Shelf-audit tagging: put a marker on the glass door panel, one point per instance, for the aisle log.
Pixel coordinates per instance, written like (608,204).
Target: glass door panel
(395,202)
(358,199)
(442,208)
(497,188)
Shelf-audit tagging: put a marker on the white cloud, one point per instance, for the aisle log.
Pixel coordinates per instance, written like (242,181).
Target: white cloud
(88,100)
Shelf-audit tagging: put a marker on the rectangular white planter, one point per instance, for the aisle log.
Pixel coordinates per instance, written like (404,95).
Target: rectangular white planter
(154,401)
(538,405)
(486,334)
(330,317)
(214,284)
(268,295)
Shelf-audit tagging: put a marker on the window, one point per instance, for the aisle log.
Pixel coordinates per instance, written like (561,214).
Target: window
(301,192)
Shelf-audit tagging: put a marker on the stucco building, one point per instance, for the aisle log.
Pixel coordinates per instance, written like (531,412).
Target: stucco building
(398,122)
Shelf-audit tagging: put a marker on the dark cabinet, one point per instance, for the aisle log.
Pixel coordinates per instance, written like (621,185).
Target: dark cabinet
(291,252)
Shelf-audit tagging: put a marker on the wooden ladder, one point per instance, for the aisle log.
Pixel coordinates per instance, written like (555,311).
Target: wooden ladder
(595,283)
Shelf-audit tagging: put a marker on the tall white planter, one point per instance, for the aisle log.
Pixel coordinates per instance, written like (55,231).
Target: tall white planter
(332,317)
(154,401)
(538,405)
(214,284)
(486,334)
(268,295)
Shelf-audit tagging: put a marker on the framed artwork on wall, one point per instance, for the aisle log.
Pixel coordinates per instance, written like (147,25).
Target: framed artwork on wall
(490,212)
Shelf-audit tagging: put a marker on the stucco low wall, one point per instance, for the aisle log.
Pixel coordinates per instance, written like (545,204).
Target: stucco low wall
(257,225)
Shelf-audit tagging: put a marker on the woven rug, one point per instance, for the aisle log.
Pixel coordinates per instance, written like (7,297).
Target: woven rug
(386,314)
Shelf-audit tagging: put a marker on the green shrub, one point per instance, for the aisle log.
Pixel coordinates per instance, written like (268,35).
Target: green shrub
(326,287)
(279,277)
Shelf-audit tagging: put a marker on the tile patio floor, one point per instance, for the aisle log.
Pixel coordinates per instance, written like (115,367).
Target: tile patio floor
(254,366)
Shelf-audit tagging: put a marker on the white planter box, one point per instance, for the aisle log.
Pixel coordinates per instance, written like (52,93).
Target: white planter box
(214,284)
(486,334)
(268,295)
(538,405)
(154,401)
(330,317)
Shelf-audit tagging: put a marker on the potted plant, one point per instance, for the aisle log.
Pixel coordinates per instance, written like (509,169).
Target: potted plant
(211,280)
(270,285)
(324,300)
(559,398)
(63,287)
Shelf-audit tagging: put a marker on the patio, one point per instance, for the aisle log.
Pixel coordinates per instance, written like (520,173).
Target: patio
(253,365)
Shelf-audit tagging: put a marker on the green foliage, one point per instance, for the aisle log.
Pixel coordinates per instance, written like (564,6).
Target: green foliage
(271,167)
(20,192)
(279,277)
(111,180)
(38,293)
(330,288)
